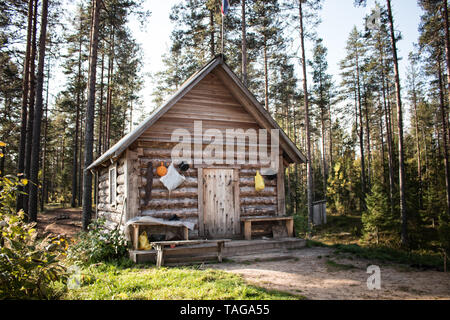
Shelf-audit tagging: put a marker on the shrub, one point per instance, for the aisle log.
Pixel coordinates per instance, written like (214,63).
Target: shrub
(99,244)
(28,266)
(377,219)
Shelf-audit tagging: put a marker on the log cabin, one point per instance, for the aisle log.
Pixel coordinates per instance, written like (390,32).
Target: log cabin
(215,197)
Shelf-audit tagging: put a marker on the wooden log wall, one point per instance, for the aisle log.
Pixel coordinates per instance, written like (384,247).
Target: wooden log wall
(112,212)
(183,201)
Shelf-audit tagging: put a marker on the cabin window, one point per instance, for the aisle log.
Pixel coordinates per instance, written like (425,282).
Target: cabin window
(112,185)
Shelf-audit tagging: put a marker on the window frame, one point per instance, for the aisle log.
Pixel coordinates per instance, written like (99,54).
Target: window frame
(110,200)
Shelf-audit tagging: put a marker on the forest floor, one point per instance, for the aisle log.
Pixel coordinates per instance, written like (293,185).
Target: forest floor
(312,272)
(59,221)
(320,273)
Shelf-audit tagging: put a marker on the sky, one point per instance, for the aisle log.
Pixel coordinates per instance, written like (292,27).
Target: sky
(338,18)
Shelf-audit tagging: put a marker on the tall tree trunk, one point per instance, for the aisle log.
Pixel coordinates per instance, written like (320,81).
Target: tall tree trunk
(244,44)
(447,45)
(380,120)
(89,131)
(389,137)
(77,124)
(44,151)
(444,134)
(324,156)
(330,134)
(419,160)
(100,112)
(401,161)
(212,44)
(266,76)
(307,128)
(369,153)
(34,183)
(361,135)
(31,101)
(25,90)
(109,92)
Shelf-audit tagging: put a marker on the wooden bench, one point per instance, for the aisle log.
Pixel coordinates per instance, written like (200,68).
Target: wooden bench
(248,224)
(160,245)
(135,231)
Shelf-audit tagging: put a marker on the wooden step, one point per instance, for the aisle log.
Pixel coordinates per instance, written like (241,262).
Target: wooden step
(207,252)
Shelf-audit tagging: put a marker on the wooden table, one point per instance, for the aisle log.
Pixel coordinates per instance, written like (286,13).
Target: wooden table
(160,245)
(135,231)
(248,224)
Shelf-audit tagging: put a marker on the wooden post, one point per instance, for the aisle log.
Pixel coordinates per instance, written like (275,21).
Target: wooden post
(136,236)
(290,227)
(131,185)
(248,230)
(237,201)
(159,255)
(281,202)
(185,233)
(201,222)
(219,250)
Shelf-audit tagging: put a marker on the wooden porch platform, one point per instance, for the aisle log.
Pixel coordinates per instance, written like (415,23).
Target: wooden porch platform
(198,253)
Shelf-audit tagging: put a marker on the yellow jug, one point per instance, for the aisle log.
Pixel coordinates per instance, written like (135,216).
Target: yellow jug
(143,242)
(259,182)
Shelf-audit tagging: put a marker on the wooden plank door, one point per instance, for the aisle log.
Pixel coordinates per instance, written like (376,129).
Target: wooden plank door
(221,203)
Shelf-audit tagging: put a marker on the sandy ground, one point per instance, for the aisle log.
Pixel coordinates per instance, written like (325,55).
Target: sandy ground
(308,274)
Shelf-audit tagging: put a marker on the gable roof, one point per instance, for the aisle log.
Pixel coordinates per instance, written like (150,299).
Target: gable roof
(237,87)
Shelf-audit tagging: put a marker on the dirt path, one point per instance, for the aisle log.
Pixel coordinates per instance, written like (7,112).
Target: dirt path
(318,273)
(66,222)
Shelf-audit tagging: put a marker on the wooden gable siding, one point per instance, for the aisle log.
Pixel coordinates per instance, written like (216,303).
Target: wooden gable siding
(209,102)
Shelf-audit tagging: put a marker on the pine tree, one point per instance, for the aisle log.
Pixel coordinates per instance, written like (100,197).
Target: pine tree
(351,74)
(321,96)
(34,170)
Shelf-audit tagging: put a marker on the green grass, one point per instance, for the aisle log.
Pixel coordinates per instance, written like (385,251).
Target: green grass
(339,229)
(418,260)
(384,254)
(334,266)
(107,281)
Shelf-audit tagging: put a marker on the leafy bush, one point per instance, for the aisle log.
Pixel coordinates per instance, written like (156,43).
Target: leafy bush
(99,244)
(28,266)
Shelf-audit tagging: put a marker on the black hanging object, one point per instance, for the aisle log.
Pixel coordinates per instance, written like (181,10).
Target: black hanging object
(183,166)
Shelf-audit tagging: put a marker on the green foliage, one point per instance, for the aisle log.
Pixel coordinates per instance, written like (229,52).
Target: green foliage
(28,266)
(99,244)
(301,224)
(444,233)
(342,184)
(377,219)
(9,187)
